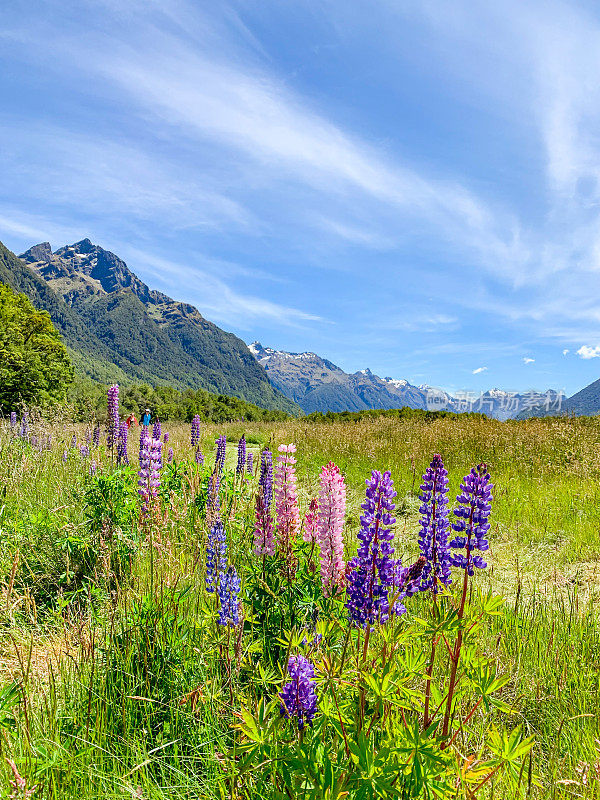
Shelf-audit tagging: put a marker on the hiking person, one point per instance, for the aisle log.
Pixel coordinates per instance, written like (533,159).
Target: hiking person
(147,418)
(131,420)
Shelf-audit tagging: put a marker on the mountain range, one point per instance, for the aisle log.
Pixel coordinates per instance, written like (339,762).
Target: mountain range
(117,329)
(316,384)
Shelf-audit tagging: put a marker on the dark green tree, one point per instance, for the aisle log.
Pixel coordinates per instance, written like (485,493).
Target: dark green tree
(34,365)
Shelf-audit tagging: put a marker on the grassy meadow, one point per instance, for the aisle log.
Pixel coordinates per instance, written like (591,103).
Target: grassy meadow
(117,683)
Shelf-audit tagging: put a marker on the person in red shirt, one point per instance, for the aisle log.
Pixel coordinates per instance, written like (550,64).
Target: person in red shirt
(131,420)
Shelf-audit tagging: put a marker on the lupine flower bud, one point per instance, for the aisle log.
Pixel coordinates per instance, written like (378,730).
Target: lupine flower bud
(195,430)
(433,538)
(371,574)
(286,492)
(472,513)
(311,521)
(330,525)
(241,462)
(229,587)
(264,541)
(299,696)
(24,429)
(407,581)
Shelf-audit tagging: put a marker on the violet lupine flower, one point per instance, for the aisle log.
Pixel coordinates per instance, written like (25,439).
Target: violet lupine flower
(112,396)
(472,512)
(371,574)
(96,436)
(249,462)
(24,429)
(93,467)
(264,540)
(84,451)
(13,419)
(122,456)
(220,455)
(406,582)
(199,458)
(433,537)
(216,554)
(330,526)
(311,521)
(166,437)
(65,456)
(286,494)
(144,443)
(229,588)
(156,430)
(170,455)
(195,430)
(241,462)
(299,696)
(34,441)
(149,474)
(265,481)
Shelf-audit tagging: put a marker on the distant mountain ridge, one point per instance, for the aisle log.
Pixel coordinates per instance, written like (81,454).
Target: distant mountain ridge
(316,384)
(117,328)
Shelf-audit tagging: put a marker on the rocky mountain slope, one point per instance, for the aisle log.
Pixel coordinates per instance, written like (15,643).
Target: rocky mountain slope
(317,384)
(117,328)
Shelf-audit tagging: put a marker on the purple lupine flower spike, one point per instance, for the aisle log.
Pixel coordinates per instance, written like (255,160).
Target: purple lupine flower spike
(113,414)
(249,462)
(472,513)
(166,437)
(93,467)
(229,588)
(24,429)
(220,455)
(265,480)
(216,554)
(195,430)
(199,458)
(372,570)
(149,473)
(241,462)
(170,455)
(84,450)
(96,436)
(299,696)
(433,537)
(156,430)
(13,420)
(122,456)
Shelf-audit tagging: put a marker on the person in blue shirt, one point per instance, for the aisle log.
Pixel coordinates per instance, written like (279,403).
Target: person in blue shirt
(147,418)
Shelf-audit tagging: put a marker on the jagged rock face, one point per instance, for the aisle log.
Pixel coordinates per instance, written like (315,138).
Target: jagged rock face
(318,385)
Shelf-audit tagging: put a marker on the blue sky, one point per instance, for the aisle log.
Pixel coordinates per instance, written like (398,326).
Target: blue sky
(408,186)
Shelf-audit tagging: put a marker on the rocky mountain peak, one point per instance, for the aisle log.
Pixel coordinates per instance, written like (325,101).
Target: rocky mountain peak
(39,252)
